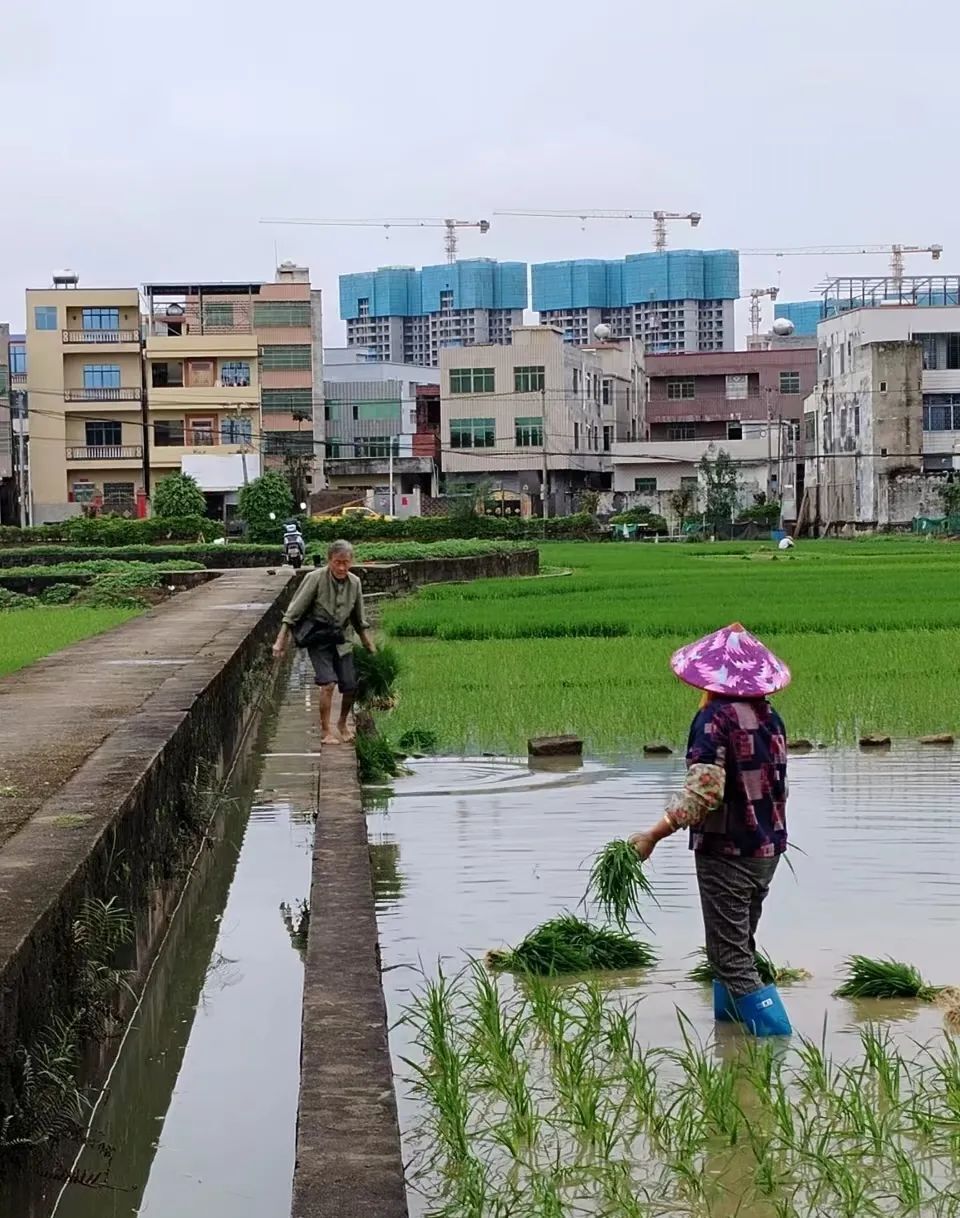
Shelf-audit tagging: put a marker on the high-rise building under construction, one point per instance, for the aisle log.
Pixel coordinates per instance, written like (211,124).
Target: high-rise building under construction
(673,300)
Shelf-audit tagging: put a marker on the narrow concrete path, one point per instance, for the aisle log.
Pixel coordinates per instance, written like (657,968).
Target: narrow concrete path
(55,713)
(349,1160)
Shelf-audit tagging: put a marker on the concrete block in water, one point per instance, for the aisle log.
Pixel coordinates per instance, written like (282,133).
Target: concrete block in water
(875,741)
(555,746)
(938,738)
(657,750)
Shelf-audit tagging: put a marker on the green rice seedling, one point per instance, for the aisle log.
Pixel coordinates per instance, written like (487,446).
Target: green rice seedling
(867,978)
(770,973)
(377,673)
(419,740)
(568,945)
(617,882)
(376,759)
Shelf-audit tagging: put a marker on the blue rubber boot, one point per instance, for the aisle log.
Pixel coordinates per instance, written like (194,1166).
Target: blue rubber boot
(723,1009)
(763,1012)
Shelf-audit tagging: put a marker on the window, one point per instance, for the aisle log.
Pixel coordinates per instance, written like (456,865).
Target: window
(293,443)
(928,343)
(683,431)
(101,376)
(529,431)
(236,431)
(278,313)
(18,359)
(201,432)
(789,382)
(941,412)
(217,314)
(576,435)
(45,317)
(883,386)
(645,486)
(953,350)
(810,429)
(606,391)
(377,446)
(681,389)
(282,401)
(100,319)
(168,433)
(528,378)
(856,420)
(235,373)
(165,375)
(471,380)
(279,357)
(690,484)
(576,380)
(119,497)
(101,433)
(472,433)
(607,438)
(735,431)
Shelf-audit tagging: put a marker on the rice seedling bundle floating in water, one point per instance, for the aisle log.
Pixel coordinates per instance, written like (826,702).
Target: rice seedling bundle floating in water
(617,883)
(567,944)
(770,973)
(868,978)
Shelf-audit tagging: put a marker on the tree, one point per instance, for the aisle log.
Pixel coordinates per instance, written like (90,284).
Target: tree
(683,504)
(267,494)
(950,497)
(296,467)
(721,487)
(178,495)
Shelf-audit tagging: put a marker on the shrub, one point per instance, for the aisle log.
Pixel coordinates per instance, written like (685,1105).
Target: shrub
(121,589)
(178,495)
(58,594)
(411,551)
(113,531)
(14,600)
(443,528)
(641,515)
(766,514)
(270,493)
(48,558)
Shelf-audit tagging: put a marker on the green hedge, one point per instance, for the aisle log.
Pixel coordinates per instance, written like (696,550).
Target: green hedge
(407,551)
(232,555)
(113,531)
(445,528)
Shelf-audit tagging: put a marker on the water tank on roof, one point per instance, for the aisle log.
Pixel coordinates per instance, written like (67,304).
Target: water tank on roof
(65,278)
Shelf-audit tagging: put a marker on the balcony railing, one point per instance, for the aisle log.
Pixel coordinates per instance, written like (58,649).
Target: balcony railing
(103,395)
(106,452)
(101,336)
(18,378)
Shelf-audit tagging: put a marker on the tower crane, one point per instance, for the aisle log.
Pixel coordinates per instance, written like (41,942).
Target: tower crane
(449,239)
(755,294)
(896,253)
(659,219)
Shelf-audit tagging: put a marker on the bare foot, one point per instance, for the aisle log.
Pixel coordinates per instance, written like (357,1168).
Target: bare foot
(347,733)
(330,737)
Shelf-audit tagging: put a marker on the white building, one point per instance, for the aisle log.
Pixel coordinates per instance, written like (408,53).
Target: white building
(886,408)
(540,417)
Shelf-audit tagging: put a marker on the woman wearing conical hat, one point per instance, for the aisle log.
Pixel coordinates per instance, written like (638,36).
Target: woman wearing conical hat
(733,803)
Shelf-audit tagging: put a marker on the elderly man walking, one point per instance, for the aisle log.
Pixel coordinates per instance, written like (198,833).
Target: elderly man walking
(328,604)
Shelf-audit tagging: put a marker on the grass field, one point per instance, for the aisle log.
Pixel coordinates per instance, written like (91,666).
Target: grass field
(871,630)
(28,634)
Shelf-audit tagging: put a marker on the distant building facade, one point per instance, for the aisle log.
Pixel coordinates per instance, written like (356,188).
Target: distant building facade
(539,418)
(407,316)
(671,300)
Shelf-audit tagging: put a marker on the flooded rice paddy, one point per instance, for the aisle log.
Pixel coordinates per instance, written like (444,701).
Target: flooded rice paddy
(471,855)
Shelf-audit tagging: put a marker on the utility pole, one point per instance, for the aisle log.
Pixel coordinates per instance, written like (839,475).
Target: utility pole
(243,445)
(19,414)
(545,511)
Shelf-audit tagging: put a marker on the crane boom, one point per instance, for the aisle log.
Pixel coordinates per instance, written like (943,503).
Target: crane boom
(659,218)
(449,240)
(895,251)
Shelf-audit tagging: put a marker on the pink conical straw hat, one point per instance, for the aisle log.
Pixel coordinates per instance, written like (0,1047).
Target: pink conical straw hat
(731,661)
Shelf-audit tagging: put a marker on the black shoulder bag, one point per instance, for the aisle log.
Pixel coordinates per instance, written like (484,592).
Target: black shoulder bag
(313,631)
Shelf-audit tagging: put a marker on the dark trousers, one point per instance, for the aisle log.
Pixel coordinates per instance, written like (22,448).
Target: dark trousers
(732,892)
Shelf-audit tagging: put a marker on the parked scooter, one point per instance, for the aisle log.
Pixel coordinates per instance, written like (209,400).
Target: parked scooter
(294,550)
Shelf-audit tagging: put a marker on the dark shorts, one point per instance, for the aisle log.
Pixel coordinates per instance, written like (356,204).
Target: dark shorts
(332,669)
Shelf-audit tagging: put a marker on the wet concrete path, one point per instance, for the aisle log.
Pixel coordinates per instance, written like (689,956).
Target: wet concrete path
(201,1106)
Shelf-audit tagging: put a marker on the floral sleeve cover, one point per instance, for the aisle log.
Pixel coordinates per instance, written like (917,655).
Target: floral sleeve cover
(701,794)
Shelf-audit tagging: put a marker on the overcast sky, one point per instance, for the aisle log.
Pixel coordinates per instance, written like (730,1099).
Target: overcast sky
(145,141)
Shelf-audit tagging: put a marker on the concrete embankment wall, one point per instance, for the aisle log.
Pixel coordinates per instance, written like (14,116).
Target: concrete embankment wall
(111,749)
(408,574)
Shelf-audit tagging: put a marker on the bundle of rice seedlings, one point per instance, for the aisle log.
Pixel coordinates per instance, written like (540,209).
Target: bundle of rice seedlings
(376,760)
(617,882)
(377,672)
(770,973)
(567,944)
(868,978)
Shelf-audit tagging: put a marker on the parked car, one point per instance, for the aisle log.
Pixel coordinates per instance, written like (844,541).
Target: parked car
(354,513)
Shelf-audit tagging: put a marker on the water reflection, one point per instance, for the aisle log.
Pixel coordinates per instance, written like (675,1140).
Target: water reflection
(385,866)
